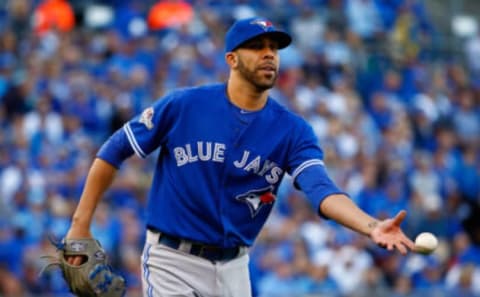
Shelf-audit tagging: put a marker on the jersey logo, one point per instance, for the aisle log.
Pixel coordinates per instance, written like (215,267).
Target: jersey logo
(146,118)
(262,23)
(257,198)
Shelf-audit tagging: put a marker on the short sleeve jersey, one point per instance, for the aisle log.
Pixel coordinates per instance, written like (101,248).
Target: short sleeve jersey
(218,168)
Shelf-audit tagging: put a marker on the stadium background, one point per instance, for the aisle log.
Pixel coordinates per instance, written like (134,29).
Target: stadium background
(391,87)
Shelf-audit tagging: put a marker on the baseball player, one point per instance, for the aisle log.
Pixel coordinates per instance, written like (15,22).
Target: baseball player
(224,149)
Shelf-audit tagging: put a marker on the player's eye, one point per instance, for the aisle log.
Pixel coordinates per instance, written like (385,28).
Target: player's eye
(255,45)
(260,44)
(273,46)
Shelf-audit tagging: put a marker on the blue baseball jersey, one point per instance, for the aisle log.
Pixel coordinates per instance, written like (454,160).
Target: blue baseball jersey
(219,167)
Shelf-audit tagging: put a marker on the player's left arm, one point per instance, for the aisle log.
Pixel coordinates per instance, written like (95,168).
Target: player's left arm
(310,175)
(386,233)
(334,204)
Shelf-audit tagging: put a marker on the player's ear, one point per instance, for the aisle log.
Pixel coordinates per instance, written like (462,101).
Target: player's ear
(231,59)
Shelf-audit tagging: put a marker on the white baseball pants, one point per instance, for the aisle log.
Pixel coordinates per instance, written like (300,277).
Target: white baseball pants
(167,272)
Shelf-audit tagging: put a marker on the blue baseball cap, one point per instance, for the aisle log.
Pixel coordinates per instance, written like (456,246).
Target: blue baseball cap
(246,29)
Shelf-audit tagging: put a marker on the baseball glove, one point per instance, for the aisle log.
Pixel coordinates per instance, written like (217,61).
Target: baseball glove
(94,277)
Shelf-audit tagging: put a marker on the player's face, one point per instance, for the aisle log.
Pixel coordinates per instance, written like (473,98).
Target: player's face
(258,62)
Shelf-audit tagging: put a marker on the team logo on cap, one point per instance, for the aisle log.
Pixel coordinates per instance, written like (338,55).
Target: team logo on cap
(262,23)
(256,199)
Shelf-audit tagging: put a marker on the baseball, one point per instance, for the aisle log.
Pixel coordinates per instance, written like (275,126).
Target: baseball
(425,243)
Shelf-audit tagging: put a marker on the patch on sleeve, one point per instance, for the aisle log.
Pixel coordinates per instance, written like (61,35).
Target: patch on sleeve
(146,118)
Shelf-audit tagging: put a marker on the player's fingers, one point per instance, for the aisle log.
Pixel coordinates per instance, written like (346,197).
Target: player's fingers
(382,245)
(408,243)
(70,260)
(401,248)
(74,260)
(398,219)
(77,261)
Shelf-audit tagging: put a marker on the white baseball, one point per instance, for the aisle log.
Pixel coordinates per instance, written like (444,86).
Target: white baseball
(425,243)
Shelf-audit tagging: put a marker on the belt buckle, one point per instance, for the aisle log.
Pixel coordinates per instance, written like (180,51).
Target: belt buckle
(203,252)
(210,252)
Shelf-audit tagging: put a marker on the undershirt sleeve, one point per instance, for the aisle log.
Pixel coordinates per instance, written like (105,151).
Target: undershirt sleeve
(317,185)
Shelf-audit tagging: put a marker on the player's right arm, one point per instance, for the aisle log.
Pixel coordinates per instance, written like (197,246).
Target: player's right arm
(100,176)
(141,135)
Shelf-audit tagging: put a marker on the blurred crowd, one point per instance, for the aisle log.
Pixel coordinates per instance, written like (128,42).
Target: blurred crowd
(396,114)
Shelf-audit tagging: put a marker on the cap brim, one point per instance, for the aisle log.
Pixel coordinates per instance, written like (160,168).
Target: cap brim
(282,38)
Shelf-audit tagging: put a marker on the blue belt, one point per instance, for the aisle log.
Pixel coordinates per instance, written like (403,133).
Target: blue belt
(209,252)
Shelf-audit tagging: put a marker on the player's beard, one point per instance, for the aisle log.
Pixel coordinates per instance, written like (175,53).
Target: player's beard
(259,81)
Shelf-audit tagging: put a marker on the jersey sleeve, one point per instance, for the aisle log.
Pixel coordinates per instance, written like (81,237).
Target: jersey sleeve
(146,131)
(307,168)
(304,150)
(116,149)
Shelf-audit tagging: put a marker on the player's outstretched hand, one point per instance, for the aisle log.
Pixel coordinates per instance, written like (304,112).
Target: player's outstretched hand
(389,235)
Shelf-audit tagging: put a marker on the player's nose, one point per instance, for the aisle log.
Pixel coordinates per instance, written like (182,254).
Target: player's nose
(269,49)
(268,54)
